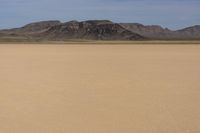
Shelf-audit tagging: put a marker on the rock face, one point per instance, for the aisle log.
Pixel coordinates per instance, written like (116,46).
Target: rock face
(159,33)
(92,30)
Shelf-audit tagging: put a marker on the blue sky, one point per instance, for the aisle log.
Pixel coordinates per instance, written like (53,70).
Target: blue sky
(174,14)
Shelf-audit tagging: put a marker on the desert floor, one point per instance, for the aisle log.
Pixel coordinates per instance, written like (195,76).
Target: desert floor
(99,88)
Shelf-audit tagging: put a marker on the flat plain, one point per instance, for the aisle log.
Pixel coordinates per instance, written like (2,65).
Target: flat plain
(99,88)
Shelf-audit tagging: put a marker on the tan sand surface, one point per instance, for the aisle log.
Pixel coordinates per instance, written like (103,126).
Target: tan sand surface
(99,88)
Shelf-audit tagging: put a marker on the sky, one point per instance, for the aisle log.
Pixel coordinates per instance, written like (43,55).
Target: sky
(173,14)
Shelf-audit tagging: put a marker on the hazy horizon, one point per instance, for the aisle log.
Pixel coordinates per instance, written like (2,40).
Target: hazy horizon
(172,14)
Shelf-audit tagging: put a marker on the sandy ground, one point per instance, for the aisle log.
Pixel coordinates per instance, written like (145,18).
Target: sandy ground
(99,89)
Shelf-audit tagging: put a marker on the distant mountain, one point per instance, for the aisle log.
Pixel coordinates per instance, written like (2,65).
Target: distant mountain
(27,32)
(93,29)
(55,30)
(97,30)
(32,28)
(150,31)
(190,32)
(157,32)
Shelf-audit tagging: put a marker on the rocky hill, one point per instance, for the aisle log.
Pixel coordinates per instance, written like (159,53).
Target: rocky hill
(190,32)
(55,30)
(160,33)
(97,30)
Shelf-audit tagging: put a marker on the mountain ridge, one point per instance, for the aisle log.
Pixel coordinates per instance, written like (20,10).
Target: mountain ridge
(157,32)
(98,30)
